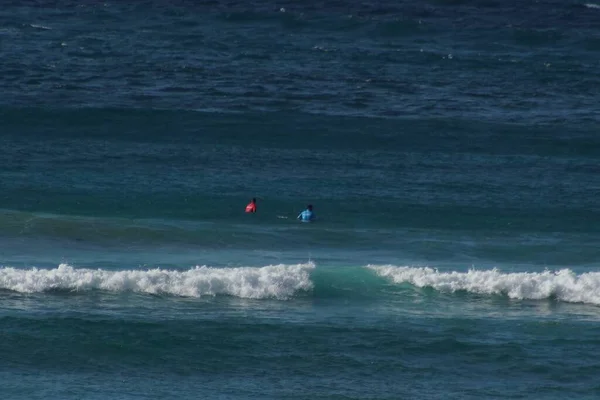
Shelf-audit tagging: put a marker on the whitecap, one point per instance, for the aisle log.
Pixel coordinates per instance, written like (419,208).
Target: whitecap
(38,26)
(562,285)
(274,281)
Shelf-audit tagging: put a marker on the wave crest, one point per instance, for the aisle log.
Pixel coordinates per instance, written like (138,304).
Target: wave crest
(563,285)
(275,281)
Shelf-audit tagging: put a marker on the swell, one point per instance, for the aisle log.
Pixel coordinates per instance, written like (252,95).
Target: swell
(256,130)
(220,225)
(82,344)
(196,166)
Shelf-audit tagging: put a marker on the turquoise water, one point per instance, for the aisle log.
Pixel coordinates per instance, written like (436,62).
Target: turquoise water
(450,149)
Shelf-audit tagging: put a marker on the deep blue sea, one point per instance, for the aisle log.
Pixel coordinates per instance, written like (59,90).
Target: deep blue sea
(450,148)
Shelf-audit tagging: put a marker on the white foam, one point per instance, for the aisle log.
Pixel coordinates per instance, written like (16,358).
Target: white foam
(592,5)
(276,281)
(563,285)
(38,26)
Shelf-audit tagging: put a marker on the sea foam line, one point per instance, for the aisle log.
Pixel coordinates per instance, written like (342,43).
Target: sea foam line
(275,281)
(592,5)
(38,26)
(563,285)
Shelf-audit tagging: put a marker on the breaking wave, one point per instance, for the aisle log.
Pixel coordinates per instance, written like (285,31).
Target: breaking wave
(276,281)
(564,285)
(285,281)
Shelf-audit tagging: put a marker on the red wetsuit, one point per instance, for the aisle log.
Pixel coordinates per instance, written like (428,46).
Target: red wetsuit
(251,208)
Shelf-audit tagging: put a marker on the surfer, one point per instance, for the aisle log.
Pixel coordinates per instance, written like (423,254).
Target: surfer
(251,207)
(307,215)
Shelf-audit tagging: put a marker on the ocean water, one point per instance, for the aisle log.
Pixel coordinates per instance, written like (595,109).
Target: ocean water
(451,151)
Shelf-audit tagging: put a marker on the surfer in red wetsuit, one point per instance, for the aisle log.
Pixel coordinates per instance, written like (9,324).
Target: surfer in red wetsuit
(251,207)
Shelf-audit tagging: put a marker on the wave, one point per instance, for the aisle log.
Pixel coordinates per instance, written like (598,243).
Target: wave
(562,285)
(275,281)
(38,26)
(592,5)
(284,281)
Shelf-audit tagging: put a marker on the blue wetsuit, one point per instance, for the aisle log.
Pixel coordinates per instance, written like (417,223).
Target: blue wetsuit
(306,216)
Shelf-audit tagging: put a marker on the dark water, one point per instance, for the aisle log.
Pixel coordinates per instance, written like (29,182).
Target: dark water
(450,149)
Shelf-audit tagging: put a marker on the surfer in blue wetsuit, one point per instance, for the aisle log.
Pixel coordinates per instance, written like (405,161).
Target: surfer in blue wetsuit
(307,215)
